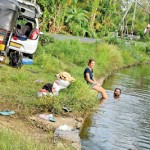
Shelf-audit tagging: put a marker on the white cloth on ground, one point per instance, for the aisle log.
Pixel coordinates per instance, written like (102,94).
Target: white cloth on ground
(59,85)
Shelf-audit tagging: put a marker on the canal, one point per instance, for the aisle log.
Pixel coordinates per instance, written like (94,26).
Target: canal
(124,123)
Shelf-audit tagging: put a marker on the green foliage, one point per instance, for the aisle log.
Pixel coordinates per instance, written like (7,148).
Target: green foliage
(22,21)
(46,39)
(70,98)
(127,59)
(113,40)
(108,57)
(68,51)
(70,56)
(89,18)
(148,48)
(15,140)
(10,140)
(121,43)
(3,79)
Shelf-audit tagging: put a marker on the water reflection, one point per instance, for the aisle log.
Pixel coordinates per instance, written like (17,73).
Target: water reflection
(124,123)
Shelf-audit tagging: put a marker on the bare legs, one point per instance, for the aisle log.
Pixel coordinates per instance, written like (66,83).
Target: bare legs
(102,100)
(101,90)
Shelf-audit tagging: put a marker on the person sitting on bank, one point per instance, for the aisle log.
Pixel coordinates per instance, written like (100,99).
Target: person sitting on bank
(117,93)
(88,76)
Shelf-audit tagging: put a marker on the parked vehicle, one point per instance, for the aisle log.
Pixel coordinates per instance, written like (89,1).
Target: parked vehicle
(19,28)
(8,15)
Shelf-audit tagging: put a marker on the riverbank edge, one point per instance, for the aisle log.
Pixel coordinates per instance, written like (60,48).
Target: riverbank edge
(102,80)
(85,116)
(51,127)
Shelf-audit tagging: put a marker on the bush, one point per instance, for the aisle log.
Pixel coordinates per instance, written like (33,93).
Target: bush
(72,57)
(46,39)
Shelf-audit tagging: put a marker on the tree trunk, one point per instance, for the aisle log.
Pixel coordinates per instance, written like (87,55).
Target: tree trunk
(93,16)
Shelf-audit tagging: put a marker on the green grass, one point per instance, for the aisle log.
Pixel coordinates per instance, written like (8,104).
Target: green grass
(19,91)
(12,140)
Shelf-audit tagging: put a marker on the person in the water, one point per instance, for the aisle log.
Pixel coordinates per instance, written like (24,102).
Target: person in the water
(88,76)
(117,93)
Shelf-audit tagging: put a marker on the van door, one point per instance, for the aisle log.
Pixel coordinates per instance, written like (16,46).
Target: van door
(29,9)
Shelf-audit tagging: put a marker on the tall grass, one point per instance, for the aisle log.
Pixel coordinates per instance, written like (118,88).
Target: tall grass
(12,140)
(19,90)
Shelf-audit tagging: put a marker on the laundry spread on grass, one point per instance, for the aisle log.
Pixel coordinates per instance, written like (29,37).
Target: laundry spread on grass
(65,76)
(63,80)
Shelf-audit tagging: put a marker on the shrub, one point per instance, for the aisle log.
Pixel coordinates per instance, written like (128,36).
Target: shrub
(46,39)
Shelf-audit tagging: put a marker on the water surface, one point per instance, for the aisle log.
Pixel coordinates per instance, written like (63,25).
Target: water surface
(124,123)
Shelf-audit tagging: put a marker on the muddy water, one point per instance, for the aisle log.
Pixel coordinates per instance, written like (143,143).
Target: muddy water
(124,123)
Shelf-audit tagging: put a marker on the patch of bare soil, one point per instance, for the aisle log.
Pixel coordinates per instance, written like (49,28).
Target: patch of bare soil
(46,125)
(38,129)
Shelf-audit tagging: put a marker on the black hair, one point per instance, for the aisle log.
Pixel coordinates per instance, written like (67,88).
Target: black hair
(117,89)
(48,87)
(90,60)
(29,24)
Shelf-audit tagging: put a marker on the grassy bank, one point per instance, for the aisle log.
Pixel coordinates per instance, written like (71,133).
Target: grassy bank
(19,91)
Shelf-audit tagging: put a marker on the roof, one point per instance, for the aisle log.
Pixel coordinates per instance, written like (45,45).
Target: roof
(11,4)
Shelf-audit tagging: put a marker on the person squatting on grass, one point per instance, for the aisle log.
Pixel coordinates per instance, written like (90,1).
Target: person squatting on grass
(88,76)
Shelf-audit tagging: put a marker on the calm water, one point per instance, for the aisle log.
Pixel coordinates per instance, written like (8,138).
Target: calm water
(122,124)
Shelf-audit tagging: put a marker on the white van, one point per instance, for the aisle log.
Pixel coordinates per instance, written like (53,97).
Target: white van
(26,44)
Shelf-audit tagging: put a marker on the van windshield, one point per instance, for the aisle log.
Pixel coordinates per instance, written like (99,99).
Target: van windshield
(24,27)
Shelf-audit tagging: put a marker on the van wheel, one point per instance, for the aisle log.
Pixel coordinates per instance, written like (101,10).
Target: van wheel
(20,60)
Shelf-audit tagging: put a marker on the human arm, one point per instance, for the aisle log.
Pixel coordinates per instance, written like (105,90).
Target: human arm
(90,80)
(93,81)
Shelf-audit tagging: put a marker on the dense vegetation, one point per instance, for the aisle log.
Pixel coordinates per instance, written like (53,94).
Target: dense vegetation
(19,91)
(86,18)
(95,18)
(10,140)
(70,56)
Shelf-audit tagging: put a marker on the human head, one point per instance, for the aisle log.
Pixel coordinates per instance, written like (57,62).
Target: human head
(29,24)
(117,92)
(91,63)
(18,26)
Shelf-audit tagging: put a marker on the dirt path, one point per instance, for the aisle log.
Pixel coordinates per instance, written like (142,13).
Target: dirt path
(41,131)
